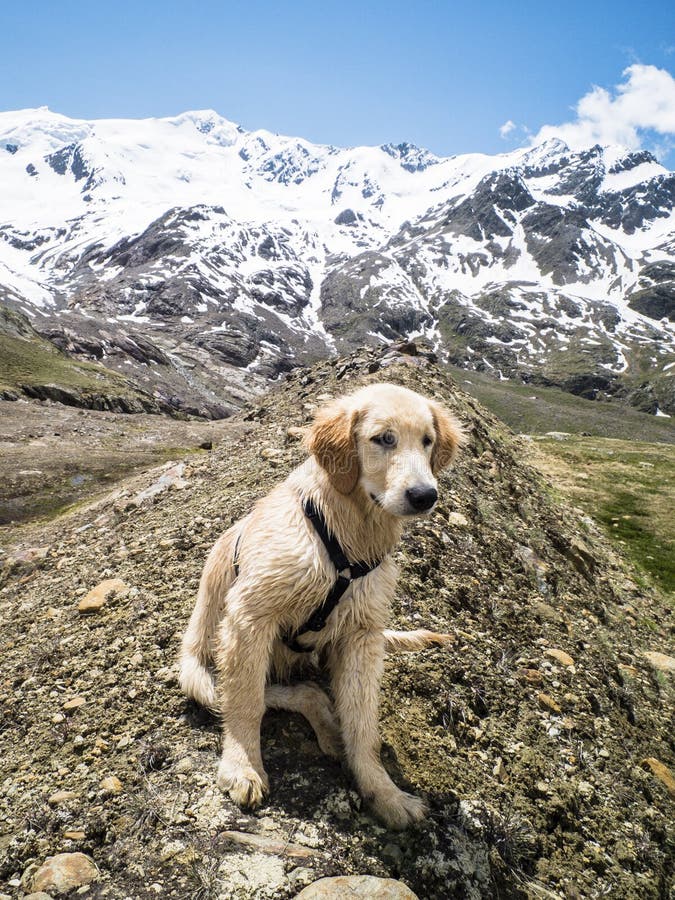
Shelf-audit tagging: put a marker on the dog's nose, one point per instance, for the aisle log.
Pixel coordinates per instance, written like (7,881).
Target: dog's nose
(421,498)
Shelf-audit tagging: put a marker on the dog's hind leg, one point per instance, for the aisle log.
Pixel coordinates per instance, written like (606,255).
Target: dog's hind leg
(196,657)
(406,641)
(314,704)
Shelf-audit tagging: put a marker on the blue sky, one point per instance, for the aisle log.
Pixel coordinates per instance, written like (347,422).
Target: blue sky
(443,75)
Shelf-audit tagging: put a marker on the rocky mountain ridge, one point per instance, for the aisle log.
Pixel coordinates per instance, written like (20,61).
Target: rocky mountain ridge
(201,259)
(541,737)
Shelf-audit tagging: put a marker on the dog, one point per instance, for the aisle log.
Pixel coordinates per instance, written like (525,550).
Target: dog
(266,603)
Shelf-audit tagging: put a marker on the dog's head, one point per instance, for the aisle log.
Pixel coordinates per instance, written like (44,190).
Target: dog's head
(388,441)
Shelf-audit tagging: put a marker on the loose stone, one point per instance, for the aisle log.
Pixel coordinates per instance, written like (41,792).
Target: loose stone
(560,656)
(63,872)
(534,676)
(75,703)
(661,661)
(547,702)
(366,886)
(61,797)
(455,518)
(268,844)
(97,597)
(111,785)
(662,772)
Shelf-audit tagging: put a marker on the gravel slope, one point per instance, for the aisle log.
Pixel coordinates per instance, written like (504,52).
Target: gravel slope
(531,737)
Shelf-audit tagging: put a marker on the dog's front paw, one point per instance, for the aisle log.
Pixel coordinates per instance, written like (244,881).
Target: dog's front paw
(398,809)
(245,786)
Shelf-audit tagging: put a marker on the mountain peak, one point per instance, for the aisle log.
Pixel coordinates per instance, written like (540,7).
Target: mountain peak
(539,156)
(40,127)
(411,157)
(204,117)
(208,122)
(279,250)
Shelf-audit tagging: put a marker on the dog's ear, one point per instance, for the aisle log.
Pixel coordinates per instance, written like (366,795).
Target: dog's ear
(331,439)
(449,438)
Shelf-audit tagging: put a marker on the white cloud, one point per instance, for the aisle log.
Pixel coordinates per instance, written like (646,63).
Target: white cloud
(643,103)
(506,129)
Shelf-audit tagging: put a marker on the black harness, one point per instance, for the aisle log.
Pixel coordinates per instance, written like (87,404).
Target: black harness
(318,619)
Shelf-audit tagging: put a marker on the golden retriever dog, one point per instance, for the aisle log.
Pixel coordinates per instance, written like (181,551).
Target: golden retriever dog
(308,576)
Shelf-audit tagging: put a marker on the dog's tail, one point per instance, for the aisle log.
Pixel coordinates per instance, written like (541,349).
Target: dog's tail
(406,641)
(196,657)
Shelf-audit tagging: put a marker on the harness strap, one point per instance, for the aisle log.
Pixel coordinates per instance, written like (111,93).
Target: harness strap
(235,555)
(318,619)
(330,542)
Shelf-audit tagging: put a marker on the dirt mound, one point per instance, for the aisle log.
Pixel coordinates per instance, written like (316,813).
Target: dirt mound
(537,738)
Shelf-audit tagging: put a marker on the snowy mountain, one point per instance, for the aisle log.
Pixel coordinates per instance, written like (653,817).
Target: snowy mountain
(199,259)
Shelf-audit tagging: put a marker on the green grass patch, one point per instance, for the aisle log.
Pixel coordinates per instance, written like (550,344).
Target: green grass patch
(33,361)
(535,410)
(628,487)
(627,519)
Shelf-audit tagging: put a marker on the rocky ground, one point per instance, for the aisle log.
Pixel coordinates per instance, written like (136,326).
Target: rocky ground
(542,738)
(54,455)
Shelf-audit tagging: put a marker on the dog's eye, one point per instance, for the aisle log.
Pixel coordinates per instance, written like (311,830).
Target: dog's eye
(427,441)
(386,439)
